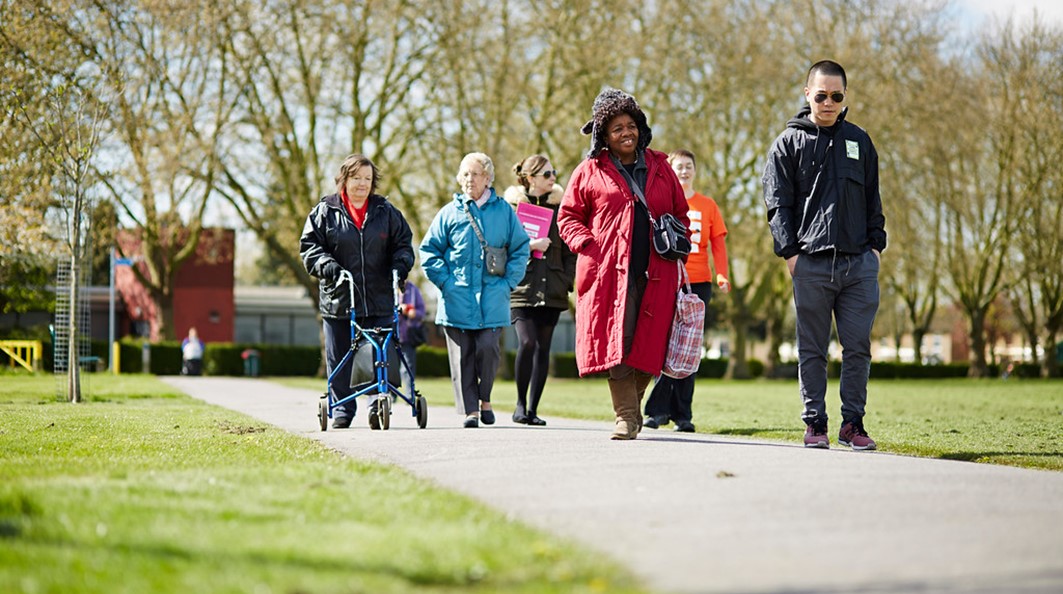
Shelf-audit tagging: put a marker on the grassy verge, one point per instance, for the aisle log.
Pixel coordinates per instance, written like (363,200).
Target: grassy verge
(1015,422)
(141,489)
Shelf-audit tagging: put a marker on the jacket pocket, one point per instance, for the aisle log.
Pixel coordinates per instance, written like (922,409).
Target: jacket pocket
(586,270)
(855,207)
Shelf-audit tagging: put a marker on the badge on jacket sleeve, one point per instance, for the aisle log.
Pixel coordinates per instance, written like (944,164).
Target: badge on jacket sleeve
(852,149)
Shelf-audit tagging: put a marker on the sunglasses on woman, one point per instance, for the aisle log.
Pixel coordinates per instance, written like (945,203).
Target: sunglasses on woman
(547,173)
(836,97)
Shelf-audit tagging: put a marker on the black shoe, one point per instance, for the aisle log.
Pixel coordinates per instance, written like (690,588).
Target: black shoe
(684,426)
(536,421)
(471,422)
(520,419)
(654,422)
(487,417)
(341,422)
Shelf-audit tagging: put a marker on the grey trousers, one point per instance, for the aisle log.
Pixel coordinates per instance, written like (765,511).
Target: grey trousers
(845,286)
(474,356)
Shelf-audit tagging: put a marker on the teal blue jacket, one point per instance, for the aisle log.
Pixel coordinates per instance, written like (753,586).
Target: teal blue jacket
(453,259)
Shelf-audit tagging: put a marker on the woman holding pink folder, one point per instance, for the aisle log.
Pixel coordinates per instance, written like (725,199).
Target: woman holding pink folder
(539,299)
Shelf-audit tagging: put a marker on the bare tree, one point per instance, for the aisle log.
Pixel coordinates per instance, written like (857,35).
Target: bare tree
(1037,293)
(165,111)
(70,137)
(314,83)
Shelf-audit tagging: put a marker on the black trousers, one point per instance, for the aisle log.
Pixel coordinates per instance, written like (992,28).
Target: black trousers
(337,343)
(672,398)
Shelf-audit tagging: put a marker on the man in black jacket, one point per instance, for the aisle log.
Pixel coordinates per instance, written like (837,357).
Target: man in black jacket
(825,213)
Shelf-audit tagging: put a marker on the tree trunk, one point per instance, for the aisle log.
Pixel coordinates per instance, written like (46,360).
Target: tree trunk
(166,327)
(979,368)
(1050,365)
(917,344)
(737,365)
(775,340)
(73,386)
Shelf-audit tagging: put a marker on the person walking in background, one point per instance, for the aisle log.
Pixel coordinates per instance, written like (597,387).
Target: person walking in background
(356,230)
(625,291)
(192,354)
(539,299)
(476,252)
(825,213)
(412,332)
(671,398)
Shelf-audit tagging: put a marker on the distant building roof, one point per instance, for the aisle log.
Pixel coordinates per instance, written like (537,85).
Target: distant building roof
(272,300)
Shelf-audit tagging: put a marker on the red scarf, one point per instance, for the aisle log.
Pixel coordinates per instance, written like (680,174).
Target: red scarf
(357,214)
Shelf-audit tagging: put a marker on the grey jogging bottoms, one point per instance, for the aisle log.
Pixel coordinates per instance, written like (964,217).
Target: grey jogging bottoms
(847,287)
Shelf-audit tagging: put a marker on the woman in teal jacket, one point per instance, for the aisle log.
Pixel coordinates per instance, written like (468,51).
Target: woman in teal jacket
(473,306)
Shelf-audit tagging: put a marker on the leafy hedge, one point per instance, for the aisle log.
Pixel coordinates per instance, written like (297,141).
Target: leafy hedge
(227,359)
(564,365)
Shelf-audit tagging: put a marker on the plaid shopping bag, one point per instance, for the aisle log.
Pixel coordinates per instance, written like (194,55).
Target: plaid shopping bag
(687,334)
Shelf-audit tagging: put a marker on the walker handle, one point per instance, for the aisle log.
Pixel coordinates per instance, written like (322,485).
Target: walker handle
(345,275)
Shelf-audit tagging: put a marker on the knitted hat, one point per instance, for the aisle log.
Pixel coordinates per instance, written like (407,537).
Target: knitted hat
(609,104)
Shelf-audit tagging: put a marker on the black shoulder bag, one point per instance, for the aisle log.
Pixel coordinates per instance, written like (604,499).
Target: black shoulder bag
(494,257)
(670,239)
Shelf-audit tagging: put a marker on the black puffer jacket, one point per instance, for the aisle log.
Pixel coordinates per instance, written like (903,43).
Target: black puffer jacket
(383,244)
(548,280)
(821,189)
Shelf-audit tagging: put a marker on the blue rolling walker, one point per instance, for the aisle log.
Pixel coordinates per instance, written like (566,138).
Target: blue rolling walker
(369,354)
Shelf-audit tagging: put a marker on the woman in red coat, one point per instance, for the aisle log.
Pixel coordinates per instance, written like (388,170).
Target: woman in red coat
(625,292)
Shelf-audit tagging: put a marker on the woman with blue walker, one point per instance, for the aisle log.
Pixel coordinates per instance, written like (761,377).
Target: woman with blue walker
(359,246)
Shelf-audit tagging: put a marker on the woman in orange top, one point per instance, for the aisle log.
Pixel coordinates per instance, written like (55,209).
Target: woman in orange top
(671,398)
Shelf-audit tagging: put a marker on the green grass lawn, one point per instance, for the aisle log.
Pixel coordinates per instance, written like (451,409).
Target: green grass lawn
(1015,422)
(141,489)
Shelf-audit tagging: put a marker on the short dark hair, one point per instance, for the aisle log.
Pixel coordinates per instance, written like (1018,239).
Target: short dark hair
(351,164)
(828,68)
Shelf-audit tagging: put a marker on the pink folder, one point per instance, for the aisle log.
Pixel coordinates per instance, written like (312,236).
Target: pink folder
(536,221)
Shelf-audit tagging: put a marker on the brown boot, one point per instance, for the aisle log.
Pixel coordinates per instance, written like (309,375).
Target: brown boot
(642,380)
(623,391)
(624,431)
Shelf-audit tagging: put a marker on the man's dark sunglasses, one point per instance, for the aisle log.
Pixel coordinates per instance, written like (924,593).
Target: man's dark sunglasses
(836,97)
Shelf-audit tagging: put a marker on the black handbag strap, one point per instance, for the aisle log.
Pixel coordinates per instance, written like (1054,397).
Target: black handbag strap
(637,191)
(475,227)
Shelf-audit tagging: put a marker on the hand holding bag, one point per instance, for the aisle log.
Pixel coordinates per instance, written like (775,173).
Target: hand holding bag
(494,257)
(688,331)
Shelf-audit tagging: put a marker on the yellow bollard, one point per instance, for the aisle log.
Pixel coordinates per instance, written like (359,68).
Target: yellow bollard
(116,361)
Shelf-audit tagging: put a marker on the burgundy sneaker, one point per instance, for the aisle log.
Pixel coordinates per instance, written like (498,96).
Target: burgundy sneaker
(853,435)
(816,437)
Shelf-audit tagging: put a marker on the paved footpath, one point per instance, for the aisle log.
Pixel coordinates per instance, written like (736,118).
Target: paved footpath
(706,513)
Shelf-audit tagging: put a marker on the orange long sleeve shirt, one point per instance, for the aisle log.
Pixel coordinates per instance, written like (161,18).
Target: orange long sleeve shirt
(707,234)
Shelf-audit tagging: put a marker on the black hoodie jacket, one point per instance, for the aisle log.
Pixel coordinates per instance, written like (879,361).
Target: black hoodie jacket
(384,243)
(821,189)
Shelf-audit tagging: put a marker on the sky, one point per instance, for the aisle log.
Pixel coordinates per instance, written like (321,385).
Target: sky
(981,11)
(974,13)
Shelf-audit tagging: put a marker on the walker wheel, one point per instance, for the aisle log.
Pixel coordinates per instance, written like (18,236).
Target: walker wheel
(384,409)
(374,416)
(421,407)
(322,412)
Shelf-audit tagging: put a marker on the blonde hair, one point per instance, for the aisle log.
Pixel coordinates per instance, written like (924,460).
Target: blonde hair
(484,161)
(672,156)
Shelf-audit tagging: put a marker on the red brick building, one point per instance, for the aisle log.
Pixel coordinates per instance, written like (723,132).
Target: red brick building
(202,292)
